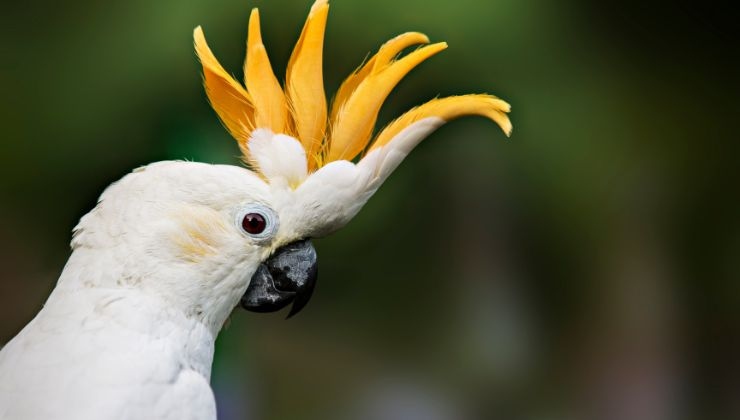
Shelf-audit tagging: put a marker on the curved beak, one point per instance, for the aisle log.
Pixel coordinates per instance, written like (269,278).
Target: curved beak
(288,275)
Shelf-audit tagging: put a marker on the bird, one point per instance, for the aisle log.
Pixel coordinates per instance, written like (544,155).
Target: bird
(173,247)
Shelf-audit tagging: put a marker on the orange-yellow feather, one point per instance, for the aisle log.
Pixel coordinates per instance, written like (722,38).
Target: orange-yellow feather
(448,109)
(388,51)
(384,55)
(301,110)
(356,119)
(271,110)
(228,98)
(305,82)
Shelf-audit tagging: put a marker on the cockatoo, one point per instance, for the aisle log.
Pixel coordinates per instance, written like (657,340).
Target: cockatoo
(173,247)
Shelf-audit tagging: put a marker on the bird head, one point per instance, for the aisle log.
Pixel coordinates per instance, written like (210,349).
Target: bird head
(245,233)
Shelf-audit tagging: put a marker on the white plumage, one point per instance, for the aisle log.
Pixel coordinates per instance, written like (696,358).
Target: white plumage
(128,332)
(157,266)
(169,251)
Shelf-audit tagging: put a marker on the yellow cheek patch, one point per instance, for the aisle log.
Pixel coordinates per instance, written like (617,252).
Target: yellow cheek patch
(199,233)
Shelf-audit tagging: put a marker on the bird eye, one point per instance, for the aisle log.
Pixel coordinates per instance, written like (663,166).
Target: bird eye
(254,223)
(257,221)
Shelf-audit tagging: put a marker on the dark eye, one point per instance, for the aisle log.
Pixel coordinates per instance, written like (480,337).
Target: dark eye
(254,223)
(257,221)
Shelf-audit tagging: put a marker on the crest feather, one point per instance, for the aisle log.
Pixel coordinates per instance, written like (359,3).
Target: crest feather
(267,95)
(228,98)
(448,109)
(299,110)
(304,83)
(384,55)
(355,121)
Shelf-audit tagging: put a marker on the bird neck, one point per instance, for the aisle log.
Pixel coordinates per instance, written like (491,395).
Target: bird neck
(207,293)
(154,325)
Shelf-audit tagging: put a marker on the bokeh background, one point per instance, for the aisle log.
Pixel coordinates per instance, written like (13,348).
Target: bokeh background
(587,268)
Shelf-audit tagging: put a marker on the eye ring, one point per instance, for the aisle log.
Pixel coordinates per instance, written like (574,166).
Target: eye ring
(257,221)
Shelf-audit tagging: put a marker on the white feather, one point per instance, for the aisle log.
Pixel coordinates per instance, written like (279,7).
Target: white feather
(330,197)
(156,268)
(129,330)
(280,158)
(108,354)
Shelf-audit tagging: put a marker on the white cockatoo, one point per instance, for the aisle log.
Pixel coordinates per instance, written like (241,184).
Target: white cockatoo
(173,247)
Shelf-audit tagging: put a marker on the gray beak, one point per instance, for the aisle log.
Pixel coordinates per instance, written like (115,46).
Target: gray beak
(289,275)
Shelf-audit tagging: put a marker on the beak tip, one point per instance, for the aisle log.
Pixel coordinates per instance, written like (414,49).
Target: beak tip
(291,313)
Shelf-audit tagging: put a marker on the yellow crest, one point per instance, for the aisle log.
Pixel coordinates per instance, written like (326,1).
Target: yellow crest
(299,109)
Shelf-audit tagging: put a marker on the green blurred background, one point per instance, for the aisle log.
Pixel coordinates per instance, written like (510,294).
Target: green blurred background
(587,268)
